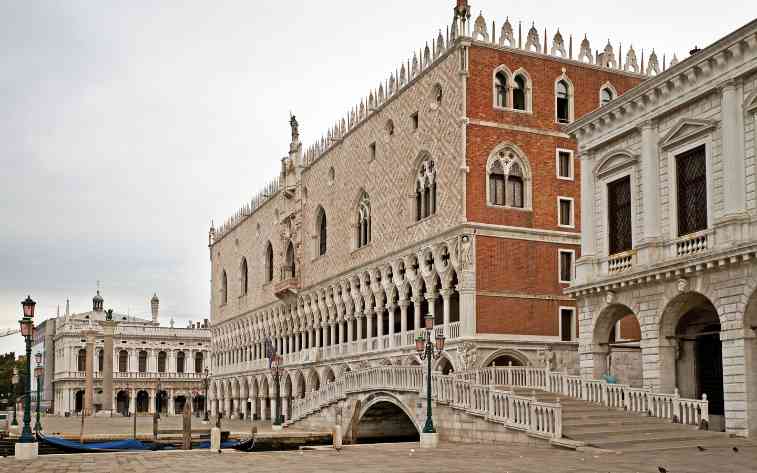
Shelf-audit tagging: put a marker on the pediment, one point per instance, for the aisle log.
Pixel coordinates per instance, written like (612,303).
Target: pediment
(686,129)
(614,162)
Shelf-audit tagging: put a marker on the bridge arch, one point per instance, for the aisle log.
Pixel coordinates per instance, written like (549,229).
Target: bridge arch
(383,417)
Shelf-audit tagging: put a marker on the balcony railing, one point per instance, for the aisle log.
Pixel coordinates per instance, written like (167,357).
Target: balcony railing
(621,262)
(132,375)
(693,244)
(289,283)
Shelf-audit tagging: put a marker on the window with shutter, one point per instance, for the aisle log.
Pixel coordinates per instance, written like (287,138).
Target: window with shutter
(692,191)
(619,215)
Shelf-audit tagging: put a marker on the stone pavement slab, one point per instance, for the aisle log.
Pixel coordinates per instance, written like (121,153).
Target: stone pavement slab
(396,458)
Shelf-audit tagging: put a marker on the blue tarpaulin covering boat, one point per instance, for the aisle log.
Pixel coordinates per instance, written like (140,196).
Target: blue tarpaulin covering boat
(76,447)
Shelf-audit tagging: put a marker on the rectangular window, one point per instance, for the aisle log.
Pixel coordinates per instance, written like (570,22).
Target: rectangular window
(567,322)
(372,151)
(565,212)
(566,266)
(414,118)
(564,164)
(691,168)
(619,215)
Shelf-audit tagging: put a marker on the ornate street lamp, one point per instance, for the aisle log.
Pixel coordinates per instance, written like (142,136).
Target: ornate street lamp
(205,383)
(27,331)
(38,372)
(14,381)
(427,350)
(274,362)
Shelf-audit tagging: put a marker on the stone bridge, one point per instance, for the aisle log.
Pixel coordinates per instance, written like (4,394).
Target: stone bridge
(390,403)
(497,404)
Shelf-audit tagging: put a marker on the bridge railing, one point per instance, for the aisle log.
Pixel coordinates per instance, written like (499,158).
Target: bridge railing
(617,396)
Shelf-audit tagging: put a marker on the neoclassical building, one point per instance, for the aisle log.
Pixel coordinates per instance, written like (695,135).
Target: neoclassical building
(154,367)
(450,190)
(669,236)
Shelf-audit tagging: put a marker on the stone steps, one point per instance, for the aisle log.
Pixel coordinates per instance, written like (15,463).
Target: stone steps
(597,426)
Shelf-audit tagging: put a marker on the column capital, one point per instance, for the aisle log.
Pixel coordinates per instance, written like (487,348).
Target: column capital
(446,293)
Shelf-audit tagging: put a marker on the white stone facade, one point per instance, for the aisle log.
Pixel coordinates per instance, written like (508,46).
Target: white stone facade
(153,356)
(671,280)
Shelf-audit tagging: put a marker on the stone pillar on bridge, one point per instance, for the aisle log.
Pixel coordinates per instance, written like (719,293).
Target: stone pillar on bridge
(89,375)
(109,327)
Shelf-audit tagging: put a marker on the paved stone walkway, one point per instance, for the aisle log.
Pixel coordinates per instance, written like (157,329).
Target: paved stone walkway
(396,458)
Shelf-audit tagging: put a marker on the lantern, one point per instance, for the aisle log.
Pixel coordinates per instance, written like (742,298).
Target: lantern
(439,342)
(420,343)
(14,378)
(28,306)
(27,327)
(429,319)
(38,358)
(39,371)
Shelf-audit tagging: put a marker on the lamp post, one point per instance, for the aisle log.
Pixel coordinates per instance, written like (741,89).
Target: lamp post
(27,330)
(274,362)
(38,372)
(14,381)
(424,345)
(205,383)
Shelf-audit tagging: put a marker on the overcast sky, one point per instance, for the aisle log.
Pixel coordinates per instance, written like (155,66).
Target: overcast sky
(126,126)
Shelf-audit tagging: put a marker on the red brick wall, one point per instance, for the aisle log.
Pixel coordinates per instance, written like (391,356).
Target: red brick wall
(519,266)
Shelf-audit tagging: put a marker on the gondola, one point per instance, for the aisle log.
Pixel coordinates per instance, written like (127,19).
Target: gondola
(70,446)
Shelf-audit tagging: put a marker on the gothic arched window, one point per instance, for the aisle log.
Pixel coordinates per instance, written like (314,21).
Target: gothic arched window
(520,91)
(269,262)
(425,190)
(224,289)
(290,269)
(509,179)
(322,231)
(364,221)
(501,89)
(244,277)
(563,100)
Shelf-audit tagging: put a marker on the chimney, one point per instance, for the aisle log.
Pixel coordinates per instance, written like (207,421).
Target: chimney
(154,306)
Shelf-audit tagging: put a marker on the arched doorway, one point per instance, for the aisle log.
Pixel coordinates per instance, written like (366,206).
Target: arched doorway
(504,358)
(693,360)
(179,403)
(328,375)
(286,394)
(143,402)
(79,401)
(616,349)
(122,402)
(198,405)
(385,421)
(750,361)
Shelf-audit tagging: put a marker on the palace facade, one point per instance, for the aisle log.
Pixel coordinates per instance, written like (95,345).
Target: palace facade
(154,368)
(669,242)
(451,190)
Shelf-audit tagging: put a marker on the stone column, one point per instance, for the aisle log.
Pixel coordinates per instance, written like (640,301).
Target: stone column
(332,335)
(369,325)
(391,308)
(109,327)
(132,401)
(734,196)
(417,314)
(341,332)
(89,375)
(309,337)
(404,303)
(350,330)
(446,293)
(379,322)
(171,402)
(152,400)
(431,298)
(263,408)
